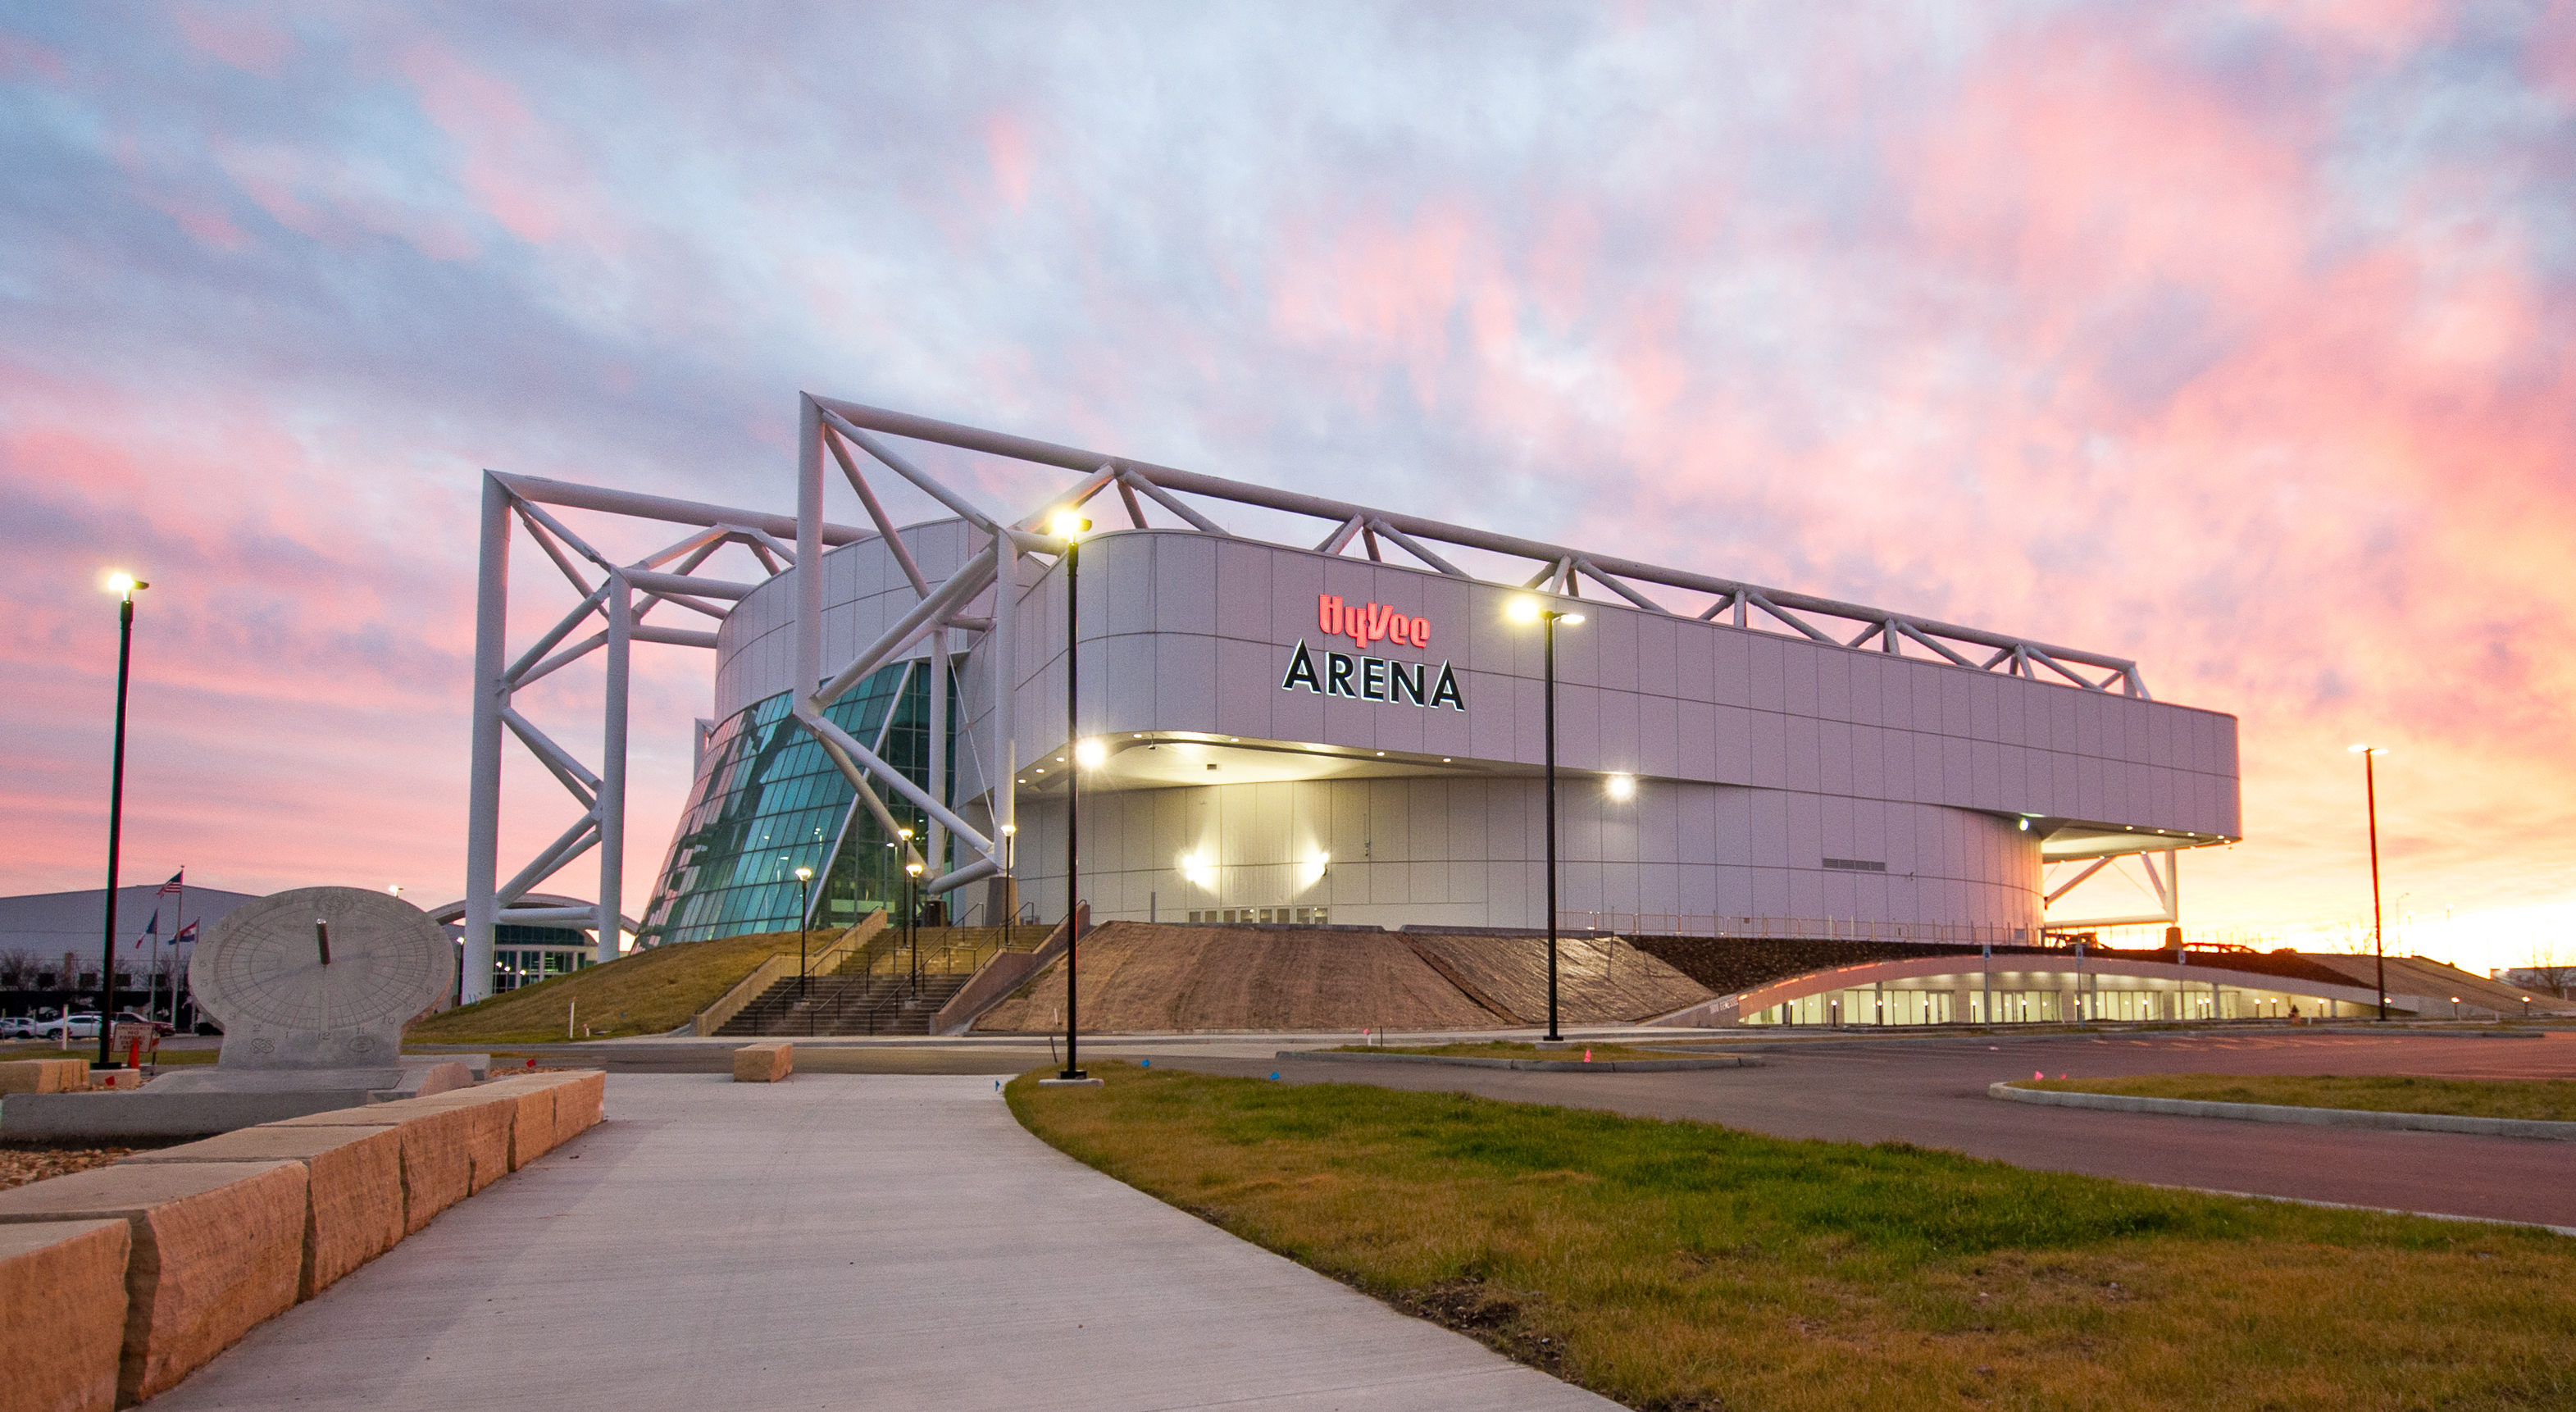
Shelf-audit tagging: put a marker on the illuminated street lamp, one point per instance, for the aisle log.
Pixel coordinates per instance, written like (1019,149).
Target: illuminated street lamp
(123,585)
(912,922)
(804,892)
(1530,610)
(1070,527)
(1010,884)
(2370,792)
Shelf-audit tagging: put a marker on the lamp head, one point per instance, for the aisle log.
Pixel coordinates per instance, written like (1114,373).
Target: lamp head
(1523,609)
(907,833)
(804,875)
(1067,525)
(1570,619)
(123,584)
(912,868)
(1622,787)
(1089,753)
(2370,750)
(1010,828)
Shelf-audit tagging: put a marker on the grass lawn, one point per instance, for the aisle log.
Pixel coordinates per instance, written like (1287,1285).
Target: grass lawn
(1513,1049)
(649,992)
(2551,1100)
(1673,1265)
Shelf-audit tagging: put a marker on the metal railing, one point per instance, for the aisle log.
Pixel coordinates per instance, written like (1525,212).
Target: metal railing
(1795,928)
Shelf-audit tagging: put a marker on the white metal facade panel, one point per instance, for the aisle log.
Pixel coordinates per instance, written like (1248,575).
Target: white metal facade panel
(1761,755)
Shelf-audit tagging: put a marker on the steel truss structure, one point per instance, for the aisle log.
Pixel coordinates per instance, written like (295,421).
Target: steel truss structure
(2164,885)
(836,433)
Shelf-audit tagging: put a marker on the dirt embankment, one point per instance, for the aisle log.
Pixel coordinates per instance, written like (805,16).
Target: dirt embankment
(1138,977)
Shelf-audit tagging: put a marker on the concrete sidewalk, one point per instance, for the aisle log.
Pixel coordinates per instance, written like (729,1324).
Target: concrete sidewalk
(840,1241)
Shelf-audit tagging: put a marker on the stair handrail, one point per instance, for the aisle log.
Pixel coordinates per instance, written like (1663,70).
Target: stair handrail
(768,973)
(1001,976)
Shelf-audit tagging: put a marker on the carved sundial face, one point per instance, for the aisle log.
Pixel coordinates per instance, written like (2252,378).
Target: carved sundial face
(262,969)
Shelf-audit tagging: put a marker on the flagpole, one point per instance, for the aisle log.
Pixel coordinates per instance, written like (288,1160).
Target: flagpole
(178,928)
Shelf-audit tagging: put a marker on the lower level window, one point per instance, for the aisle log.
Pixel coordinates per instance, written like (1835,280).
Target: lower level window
(1294,916)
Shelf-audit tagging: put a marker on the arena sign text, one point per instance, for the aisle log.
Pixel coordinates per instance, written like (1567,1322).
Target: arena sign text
(1369,678)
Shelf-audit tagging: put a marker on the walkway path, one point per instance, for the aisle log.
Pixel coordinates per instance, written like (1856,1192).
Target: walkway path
(840,1241)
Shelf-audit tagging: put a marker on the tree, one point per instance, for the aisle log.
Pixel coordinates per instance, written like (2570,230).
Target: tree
(2552,968)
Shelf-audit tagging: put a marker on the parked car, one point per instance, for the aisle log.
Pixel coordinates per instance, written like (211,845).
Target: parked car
(83,1026)
(17,1027)
(128,1017)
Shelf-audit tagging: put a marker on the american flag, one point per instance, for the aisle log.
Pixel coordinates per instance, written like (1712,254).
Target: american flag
(171,888)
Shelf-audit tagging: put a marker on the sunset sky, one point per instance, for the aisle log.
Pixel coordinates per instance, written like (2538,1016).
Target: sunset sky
(2232,339)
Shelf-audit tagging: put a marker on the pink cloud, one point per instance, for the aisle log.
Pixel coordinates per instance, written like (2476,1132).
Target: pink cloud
(1006,146)
(237,35)
(21,56)
(521,171)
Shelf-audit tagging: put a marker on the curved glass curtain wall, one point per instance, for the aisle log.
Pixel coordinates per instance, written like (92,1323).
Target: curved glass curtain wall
(770,801)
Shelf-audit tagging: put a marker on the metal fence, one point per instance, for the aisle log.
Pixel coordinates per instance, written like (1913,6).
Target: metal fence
(1801,928)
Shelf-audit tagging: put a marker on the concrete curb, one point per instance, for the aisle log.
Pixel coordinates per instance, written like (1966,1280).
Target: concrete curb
(2286,1113)
(1545,1066)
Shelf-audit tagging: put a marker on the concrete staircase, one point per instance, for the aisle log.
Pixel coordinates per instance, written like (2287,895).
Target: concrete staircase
(875,991)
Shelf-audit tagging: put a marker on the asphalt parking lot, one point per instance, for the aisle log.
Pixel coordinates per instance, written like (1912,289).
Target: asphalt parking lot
(1932,1092)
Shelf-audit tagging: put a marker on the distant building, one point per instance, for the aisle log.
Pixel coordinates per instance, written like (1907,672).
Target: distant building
(2558,981)
(49,947)
(522,954)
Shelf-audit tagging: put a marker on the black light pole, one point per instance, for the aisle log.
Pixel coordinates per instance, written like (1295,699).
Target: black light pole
(1525,609)
(1548,633)
(2370,792)
(124,586)
(804,884)
(1069,528)
(1010,884)
(912,922)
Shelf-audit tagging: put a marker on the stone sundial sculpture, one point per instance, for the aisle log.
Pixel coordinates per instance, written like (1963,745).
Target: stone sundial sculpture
(313,988)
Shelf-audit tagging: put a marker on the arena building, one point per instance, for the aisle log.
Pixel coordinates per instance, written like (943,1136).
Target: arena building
(1344,730)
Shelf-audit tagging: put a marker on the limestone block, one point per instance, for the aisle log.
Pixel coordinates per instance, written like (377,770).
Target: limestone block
(581,1101)
(763,1063)
(44,1076)
(521,1127)
(353,1189)
(449,1152)
(546,1109)
(62,1314)
(218,1247)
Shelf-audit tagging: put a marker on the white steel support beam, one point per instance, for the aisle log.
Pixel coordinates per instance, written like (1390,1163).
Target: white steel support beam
(1006,688)
(537,651)
(857,776)
(859,756)
(1162,481)
(809,551)
(960,589)
(612,767)
(553,859)
(559,661)
(483,772)
(876,514)
(1162,497)
(939,745)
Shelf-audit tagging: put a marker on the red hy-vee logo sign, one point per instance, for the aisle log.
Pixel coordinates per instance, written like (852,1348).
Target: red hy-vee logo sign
(1365,677)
